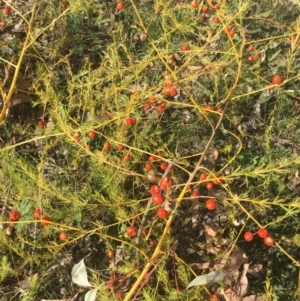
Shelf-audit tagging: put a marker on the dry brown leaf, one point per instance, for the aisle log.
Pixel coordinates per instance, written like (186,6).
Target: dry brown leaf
(229,295)
(177,57)
(211,230)
(236,260)
(50,126)
(201,266)
(23,83)
(194,68)
(18,99)
(242,286)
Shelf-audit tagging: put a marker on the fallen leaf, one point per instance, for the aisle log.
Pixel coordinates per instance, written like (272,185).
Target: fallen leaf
(91,295)
(211,230)
(236,260)
(79,274)
(209,278)
(50,126)
(194,68)
(23,83)
(242,283)
(18,99)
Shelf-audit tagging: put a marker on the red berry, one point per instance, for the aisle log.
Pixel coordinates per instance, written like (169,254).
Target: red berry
(151,243)
(216,20)
(163,166)
(154,190)
(37,213)
(131,121)
(162,213)
(208,107)
(92,134)
(2,24)
(203,177)
(189,187)
(148,166)
(163,104)
(160,109)
(112,281)
(209,186)
(195,193)
(195,4)
(185,48)
(216,182)
(204,8)
(153,101)
(77,135)
(128,121)
(231,33)
(168,83)
(127,157)
(45,220)
(110,254)
(173,92)
(41,123)
(131,231)
(262,232)
(157,199)
(276,79)
(250,48)
(151,158)
(14,215)
(166,182)
(120,5)
(6,10)
(166,91)
(147,106)
(160,154)
(121,147)
(63,235)
(64,5)
(248,236)
(107,146)
(269,241)
(210,204)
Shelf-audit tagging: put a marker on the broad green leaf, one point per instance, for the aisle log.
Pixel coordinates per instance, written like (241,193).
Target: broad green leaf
(209,278)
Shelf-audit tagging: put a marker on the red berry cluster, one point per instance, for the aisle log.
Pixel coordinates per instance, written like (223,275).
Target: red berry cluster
(262,233)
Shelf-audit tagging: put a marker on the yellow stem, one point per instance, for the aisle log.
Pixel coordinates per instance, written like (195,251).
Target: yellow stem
(18,67)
